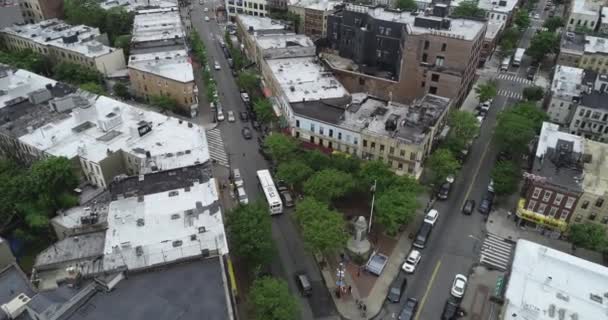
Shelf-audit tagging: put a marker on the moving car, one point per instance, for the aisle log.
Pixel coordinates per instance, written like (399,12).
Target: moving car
(244,115)
(531,72)
(206,18)
(411,261)
(376,263)
(409,309)
(431,217)
(246,133)
(491,186)
(468,207)
(459,285)
(220,115)
(243,199)
(303,284)
(450,310)
(231,117)
(396,289)
(216,65)
(206,9)
(236,177)
(485,206)
(423,235)
(536,16)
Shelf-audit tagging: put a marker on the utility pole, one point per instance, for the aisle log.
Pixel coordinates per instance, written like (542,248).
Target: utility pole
(371,214)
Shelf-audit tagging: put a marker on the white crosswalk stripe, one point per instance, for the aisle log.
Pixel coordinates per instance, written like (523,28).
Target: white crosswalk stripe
(216,147)
(514,78)
(510,94)
(496,252)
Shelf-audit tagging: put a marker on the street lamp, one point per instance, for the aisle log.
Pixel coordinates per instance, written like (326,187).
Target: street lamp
(371,214)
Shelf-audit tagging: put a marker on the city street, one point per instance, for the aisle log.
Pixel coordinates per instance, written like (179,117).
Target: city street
(243,154)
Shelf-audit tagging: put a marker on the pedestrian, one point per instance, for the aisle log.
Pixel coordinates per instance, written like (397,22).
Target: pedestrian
(359,272)
(364,308)
(243,154)
(350,289)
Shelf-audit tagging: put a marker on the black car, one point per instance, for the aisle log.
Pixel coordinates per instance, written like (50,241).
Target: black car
(450,310)
(444,191)
(531,72)
(396,289)
(255,124)
(246,133)
(244,116)
(468,207)
(485,206)
(409,310)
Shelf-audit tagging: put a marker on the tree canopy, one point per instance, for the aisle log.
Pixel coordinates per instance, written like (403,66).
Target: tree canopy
(376,171)
(553,23)
(114,21)
(516,126)
(323,230)
(164,102)
(294,172)
(588,235)
(406,5)
(442,163)
(534,93)
(248,81)
(486,91)
(316,159)
(263,110)
(463,128)
(468,9)
(329,184)
(271,300)
(542,44)
(522,19)
(249,227)
(121,90)
(395,207)
(76,74)
(282,147)
(26,59)
(93,87)
(506,176)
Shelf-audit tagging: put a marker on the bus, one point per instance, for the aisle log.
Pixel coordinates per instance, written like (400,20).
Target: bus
(270,191)
(518,56)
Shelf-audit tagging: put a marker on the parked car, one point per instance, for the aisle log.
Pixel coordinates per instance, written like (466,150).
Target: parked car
(245,97)
(256,125)
(287,198)
(409,309)
(459,286)
(243,199)
(206,9)
(231,117)
(423,235)
(431,216)
(220,115)
(303,284)
(376,264)
(206,18)
(491,186)
(244,116)
(216,65)
(412,260)
(450,310)
(396,289)
(468,207)
(246,133)
(445,188)
(485,105)
(236,177)
(485,206)
(531,72)
(536,16)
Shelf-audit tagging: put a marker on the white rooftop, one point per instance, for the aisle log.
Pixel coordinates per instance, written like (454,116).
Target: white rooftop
(164,227)
(18,84)
(550,134)
(596,45)
(567,82)
(173,65)
(504,6)
(459,28)
(133,5)
(494,28)
(322,5)
(260,23)
(543,279)
(305,79)
(111,125)
(588,7)
(54,32)
(273,41)
(157,24)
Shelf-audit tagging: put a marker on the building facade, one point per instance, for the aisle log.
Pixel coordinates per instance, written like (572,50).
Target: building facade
(584,14)
(256,8)
(566,89)
(39,10)
(313,16)
(584,51)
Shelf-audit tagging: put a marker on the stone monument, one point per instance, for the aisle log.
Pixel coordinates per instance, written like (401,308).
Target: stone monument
(358,244)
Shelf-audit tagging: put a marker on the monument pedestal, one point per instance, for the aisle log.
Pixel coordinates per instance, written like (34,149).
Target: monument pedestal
(358,245)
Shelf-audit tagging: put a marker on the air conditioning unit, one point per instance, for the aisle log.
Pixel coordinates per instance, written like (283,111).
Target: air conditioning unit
(15,307)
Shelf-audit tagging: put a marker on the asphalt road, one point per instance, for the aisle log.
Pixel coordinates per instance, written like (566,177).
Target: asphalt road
(243,154)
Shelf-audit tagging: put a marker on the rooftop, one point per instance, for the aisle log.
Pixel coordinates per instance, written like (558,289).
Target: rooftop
(504,6)
(135,5)
(100,125)
(316,4)
(567,82)
(260,23)
(77,38)
(12,283)
(559,157)
(494,28)
(16,85)
(281,41)
(174,65)
(572,43)
(596,170)
(596,45)
(595,100)
(545,282)
(157,25)
(72,249)
(156,228)
(92,216)
(304,79)
(589,7)
(419,24)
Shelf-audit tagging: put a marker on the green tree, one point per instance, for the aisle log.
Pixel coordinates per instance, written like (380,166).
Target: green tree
(522,19)
(468,9)
(164,102)
(517,126)
(282,147)
(249,228)
(508,42)
(316,159)
(329,184)
(395,207)
(26,59)
(123,42)
(114,21)
(375,171)
(542,44)
(121,90)
(76,74)
(52,178)
(486,91)
(323,230)
(554,23)
(534,93)
(530,111)
(506,175)
(463,128)
(117,22)
(294,172)
(442,163)
(271,300)
(248,81)
(93,87)
(345,162)
(264,111)
(406,5)
(588,235)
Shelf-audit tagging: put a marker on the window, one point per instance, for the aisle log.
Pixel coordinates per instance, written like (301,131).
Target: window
(444,46)
(412,156)
(364,143)
(434,77)
(569,202)
(361,81)
(297,123)
(400,166)
(381,148)
(439,61)
(605,220)
(558,199)
(547,195)
(320,130)
(531,205)
(391,150)
(339,135)
(433,90)
(592,216)
(424,57)
(552,211)
(426,44)
(541,208)
(356,141)
(402,152)
(422,84)
(599,202)
(381,30)
(373,145)
(564,215)
(331,133)
(578,218)
(585,204)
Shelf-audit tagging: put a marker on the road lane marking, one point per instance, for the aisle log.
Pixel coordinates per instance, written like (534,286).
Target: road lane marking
(428,289)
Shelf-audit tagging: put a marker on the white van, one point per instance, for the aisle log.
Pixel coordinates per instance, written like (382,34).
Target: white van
(220,115)
(504,66)
(242,195)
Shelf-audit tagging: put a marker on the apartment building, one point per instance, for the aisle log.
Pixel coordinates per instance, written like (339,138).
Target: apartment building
(566,90)
(39,10)
(435,54)
(313,16)
(584,14)
(10,13)
(249,28)
(256,8)
(136,5)
(103,137)
(157,30)
(166,73)
(584,51)
(62,42)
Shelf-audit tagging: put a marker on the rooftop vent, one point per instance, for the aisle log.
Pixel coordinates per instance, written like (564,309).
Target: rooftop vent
(140,222)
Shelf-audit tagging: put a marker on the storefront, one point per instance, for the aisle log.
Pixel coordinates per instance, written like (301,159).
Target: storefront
(546,225)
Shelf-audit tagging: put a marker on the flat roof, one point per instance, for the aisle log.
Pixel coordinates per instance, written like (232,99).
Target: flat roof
(157,228)
(13,282)
(572,43)
(260,23)
(282,41)
(504,6)
(102,124)
(567,82)
(174,65)
(322,5)
(596,45)
(76,248)
(136,5)
(596,170)
(54,32)
(543,279)
(587,7)
(494,28)
(17,84)
(459,28)
(595,100)
(304,79)
(157,25)
(89,216)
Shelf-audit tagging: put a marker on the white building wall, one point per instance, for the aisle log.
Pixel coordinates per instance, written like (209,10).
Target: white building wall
(111,62)
(256,8)
(583,20)
(559,110)
(340,138)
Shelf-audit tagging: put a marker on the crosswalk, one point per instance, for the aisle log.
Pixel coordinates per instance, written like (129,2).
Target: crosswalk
(496,252)
(514,78)
(510,94)
(216,147)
